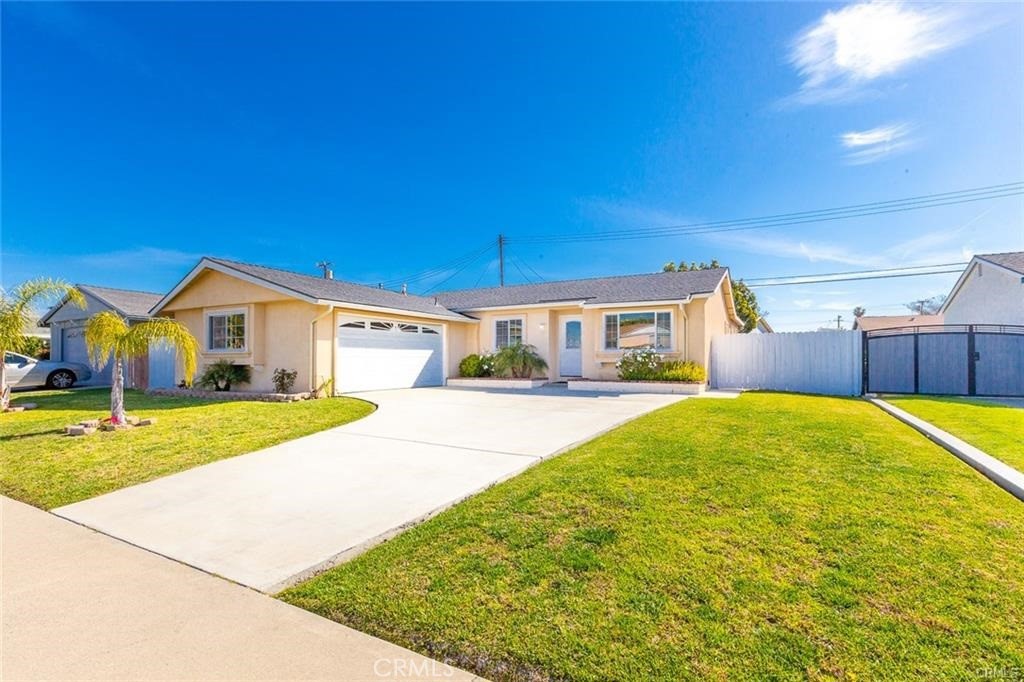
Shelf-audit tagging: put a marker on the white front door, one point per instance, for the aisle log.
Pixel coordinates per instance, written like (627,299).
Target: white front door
(570,359)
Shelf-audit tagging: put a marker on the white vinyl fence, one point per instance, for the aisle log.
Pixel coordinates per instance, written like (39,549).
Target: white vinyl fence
(827,362)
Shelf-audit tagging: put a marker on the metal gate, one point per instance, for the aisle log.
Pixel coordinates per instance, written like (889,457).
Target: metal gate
(978,359)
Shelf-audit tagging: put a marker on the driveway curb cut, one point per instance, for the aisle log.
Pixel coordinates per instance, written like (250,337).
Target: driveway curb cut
(1003,475)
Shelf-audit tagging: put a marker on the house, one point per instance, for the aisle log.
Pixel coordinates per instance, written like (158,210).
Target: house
(990,291)
(870,323)
(67,328)
(363,338)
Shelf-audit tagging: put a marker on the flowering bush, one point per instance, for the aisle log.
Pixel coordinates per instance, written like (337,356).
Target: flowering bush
(477,365)
(646,364)
(639,364)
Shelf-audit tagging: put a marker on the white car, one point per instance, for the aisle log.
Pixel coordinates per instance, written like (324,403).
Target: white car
(26,372)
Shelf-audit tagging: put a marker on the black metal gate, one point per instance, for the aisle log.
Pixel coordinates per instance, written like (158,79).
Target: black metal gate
(977,359)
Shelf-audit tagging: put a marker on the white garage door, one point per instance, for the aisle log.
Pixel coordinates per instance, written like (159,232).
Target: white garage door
(379,354)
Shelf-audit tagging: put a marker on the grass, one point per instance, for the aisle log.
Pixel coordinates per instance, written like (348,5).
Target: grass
(996,429)
(41,466)
(768,537)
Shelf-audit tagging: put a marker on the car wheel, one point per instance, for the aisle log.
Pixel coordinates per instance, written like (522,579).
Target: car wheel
(62,378)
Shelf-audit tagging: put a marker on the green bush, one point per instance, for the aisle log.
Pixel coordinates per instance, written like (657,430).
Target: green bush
(284,380)
(520,360)
(639,364)
(222,374)
(646,364)
(473,366)
(674,370)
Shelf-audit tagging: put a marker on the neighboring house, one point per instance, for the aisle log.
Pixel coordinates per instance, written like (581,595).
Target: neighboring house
(67,328)
(990,291)
(870,323)
(365,338)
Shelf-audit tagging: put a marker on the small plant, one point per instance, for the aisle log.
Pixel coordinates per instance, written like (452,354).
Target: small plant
(222,374)
(324,389)
(284,380)
(520,360)
(473,366)
(639,364)
(687,372)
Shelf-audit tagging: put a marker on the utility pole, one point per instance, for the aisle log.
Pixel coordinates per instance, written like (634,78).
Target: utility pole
(325,265)
(501,260)
(839,321)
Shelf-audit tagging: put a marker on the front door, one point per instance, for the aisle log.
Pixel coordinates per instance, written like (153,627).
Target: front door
(570,359)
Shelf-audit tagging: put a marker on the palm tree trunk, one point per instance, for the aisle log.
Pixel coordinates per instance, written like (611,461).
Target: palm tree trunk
(117,393)
(5,390)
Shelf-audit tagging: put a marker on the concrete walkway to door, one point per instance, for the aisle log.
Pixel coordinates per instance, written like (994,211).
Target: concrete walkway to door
(271,518)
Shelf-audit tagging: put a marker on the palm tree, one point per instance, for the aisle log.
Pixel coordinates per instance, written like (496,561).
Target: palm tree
(108,336)
(17,313)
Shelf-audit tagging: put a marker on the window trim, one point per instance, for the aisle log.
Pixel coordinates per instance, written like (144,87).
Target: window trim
(224,312)
(618,329)
(509,318)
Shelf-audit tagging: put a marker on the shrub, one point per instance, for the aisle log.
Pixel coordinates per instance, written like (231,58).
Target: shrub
(639,364)
(473,366)
(646,364)
(284,380)
(689,372)
(222,374)
(520,360)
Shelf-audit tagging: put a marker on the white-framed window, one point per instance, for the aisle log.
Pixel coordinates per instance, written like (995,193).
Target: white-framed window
(225,331)
(508,332)
(649,329)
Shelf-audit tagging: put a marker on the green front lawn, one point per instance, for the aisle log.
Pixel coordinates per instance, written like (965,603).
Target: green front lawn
(996,429)
(41,466)
(768,537)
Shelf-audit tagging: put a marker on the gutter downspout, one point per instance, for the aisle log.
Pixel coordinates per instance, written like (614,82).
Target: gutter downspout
(312,348)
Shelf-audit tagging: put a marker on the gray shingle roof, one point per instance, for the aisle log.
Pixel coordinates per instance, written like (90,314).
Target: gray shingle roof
(126,301)
(662,286)
(1013,260)
(339,290)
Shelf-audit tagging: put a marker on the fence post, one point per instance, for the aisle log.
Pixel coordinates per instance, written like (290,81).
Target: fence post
(917,365)
(865,364)
(972,370)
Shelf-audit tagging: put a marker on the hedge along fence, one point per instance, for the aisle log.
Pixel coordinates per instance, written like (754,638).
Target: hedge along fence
(825,362)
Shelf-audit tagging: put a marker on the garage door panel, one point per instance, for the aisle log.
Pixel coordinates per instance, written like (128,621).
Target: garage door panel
(388,355)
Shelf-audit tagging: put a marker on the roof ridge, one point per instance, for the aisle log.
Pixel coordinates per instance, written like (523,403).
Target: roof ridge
(127,291)
(581,279)
(229,262)
(999,253)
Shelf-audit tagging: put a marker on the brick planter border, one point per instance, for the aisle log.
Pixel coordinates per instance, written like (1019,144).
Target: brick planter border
(229,395)
(497,382)
(638,387)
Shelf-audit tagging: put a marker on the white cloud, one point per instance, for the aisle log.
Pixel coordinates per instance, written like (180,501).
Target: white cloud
(860,43)
(875,144)
(143,257)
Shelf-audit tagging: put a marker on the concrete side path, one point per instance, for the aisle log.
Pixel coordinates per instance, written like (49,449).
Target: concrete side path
(1002,474)
(78,605)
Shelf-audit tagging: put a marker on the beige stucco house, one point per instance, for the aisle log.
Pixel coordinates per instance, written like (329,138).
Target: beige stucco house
(364,338)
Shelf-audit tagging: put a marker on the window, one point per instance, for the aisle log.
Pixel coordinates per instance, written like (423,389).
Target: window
(573,332)
(226,331)
(409,328)
(508,332)
(638,330)
(431,330)
(354,324)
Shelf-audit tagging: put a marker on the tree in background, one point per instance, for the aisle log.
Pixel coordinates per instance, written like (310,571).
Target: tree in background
(926,306)
(859,311)
(17,314)
(743,298)
(109,337)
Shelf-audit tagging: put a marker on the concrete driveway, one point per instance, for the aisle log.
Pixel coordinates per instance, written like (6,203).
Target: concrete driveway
(277,516)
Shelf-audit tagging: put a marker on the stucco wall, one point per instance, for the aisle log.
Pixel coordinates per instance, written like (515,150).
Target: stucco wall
(989,295)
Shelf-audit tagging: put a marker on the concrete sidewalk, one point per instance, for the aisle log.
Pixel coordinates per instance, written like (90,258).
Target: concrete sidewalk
(272,518)
(78,605)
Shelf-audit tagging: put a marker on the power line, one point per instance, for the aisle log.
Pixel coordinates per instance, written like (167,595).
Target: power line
(527,264)
(515,262)
(850,279)
(452,276)
(860,272)
(439,269)
(795,218)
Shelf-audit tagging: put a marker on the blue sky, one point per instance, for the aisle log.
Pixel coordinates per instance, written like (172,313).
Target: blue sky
(391,138)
